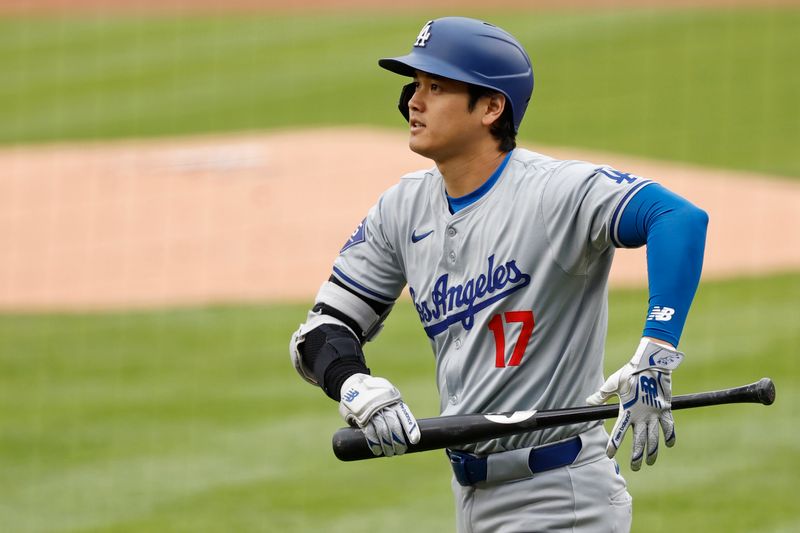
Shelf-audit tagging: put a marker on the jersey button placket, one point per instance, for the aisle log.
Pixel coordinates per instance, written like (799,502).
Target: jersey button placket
(451,243)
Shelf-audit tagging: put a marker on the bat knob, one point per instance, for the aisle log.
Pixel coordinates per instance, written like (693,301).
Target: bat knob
(765,389)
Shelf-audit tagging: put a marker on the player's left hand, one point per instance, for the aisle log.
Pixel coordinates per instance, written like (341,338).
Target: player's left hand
(375,405)
(644,387)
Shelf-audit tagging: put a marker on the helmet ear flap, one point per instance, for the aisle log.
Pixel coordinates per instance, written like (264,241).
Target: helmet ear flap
(405,97)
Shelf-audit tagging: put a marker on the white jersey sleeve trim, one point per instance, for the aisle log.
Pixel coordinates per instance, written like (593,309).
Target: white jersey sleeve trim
(366,291)
(623,203)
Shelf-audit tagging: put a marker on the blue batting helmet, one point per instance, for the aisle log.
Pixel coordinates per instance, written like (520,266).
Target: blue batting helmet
(471,51)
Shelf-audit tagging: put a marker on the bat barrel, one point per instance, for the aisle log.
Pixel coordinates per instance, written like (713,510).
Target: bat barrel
(350,445)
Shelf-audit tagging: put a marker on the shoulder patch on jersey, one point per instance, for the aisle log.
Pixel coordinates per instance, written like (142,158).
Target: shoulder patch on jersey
(358,236)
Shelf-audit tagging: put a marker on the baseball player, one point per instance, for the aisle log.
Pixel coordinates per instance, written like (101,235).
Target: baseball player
(506,254)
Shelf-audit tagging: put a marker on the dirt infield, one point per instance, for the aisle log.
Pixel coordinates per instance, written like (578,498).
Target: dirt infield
(250,217)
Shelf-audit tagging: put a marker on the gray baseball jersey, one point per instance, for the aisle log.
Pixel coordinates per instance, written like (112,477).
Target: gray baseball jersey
(511,290)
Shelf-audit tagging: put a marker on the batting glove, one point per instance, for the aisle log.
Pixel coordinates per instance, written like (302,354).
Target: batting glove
(375,405)
(644,387)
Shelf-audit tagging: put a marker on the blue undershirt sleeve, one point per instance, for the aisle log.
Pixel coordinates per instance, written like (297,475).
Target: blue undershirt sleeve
(675,233)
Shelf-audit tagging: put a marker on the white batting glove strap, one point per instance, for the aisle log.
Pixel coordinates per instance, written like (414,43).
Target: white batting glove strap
(652,354)
(375,405)
(644,386)
(363,396)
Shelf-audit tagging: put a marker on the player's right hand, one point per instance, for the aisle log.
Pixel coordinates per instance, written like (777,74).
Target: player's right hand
(375,405)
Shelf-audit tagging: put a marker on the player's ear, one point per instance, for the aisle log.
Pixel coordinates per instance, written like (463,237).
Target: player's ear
(494,108)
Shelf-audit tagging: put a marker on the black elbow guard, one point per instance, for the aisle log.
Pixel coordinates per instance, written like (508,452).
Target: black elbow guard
(333,354)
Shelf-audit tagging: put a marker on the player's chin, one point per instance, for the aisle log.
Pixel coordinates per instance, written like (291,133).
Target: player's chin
(420,146)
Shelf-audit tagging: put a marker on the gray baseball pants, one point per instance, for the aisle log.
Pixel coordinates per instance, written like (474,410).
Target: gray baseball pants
(588,496)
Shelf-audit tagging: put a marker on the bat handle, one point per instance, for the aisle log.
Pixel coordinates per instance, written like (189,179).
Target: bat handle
(762,391)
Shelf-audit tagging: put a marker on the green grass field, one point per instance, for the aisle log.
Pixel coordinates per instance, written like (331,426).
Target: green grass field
(711,87)
(194,420)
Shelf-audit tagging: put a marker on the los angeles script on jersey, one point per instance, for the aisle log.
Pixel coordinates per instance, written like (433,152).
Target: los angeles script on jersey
(452,303)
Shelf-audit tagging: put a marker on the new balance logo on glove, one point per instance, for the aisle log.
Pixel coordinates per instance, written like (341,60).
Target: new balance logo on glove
(350,395)
(650,391)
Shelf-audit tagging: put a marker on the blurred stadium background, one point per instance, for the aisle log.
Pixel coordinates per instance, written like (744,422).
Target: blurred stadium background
(136,394)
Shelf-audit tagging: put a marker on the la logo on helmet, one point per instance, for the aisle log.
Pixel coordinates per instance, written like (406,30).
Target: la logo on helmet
(424,35)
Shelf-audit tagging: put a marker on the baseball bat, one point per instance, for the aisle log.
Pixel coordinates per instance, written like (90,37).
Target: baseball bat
(453,431)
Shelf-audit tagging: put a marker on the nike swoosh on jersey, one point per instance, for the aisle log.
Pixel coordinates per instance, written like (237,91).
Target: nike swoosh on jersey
(416,238)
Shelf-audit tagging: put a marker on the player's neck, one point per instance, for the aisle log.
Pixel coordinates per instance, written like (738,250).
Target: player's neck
(466,172)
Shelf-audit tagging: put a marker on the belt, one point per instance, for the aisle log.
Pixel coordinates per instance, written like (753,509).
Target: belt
(470,469)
